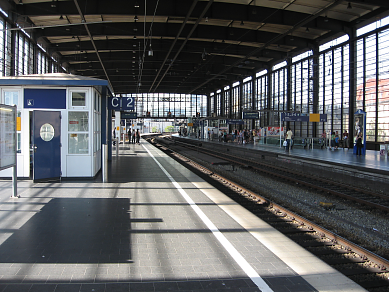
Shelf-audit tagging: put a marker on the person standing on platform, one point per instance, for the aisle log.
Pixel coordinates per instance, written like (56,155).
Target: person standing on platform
(359,144)
(289,136)
(129,135)
(137,136)
(336,141)
(345,139)
(133,136)
(333,140)
(324,139)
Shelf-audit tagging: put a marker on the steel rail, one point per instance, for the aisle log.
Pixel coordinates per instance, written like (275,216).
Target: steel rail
(381,262)
(234,160)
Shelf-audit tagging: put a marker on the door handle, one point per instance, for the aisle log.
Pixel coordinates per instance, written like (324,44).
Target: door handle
(35,148)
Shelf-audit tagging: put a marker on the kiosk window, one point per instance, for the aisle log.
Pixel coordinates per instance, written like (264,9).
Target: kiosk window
(78,129)
(78,143)
(78,122)
(78,99)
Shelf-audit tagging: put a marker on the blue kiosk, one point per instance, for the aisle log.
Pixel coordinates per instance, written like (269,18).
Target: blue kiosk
(61,124)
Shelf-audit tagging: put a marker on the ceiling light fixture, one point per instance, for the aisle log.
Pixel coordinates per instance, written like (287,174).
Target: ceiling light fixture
(136,4)
(326,19)
(61,17)
(242,23)
(150,53)
(136,18)
(349,6)
(134,37)
(307,29)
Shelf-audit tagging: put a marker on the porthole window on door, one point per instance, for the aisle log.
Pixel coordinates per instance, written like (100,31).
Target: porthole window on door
(47,132)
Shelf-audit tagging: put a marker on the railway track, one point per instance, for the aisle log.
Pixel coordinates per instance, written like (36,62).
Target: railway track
(358,195)
(364,267)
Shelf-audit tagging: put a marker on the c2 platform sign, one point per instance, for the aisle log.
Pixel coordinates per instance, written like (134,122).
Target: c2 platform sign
(121,103)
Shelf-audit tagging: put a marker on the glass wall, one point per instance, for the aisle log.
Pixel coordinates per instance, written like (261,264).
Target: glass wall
(235,96)
(372,78)
(18,57)
(321,83)
(227,102)
(261,98)
(159,105)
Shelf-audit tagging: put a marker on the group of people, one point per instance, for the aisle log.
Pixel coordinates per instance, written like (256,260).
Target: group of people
(245,136)
(133,136)
(241,136)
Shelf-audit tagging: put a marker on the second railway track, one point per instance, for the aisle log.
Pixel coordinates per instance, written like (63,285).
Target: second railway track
(359,195)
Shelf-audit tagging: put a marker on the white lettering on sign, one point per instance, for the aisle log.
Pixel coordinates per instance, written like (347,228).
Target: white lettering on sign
(121,103)
(115,102)
(129,102)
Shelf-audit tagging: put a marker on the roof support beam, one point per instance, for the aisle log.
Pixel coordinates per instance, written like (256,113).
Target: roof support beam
(275,39)
(187,38)
(92,41)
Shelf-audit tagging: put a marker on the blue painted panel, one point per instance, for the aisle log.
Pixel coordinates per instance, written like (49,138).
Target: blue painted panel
(45,98)
(47,154)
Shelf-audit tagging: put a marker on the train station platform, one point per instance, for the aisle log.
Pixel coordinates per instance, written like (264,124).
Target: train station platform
(154,226)
(370,170)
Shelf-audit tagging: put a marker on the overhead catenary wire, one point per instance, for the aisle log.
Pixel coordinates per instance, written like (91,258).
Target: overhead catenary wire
(145,43)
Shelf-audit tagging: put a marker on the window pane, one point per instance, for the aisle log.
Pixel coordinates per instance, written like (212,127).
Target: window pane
(78,98)
(11,98)
(78,122)
(78,143)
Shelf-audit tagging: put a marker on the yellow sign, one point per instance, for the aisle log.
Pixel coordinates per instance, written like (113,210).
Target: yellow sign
(117,128)
(18,124)
(314,117)
(190,124)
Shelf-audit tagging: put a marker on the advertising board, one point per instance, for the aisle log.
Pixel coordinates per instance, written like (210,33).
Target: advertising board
(7,136)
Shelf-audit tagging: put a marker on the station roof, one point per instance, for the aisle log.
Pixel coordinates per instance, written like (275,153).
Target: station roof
(183,46)
(54,79)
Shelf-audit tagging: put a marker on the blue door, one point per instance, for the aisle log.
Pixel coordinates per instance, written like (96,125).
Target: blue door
(47,145)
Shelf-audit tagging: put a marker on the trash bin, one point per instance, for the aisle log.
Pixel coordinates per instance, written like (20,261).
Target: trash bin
(386,148)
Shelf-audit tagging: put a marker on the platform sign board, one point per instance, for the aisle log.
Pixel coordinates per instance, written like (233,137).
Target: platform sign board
(129,116)
(299,117)
(7,136)
(294,117)
(234,122)
(121,103)
(250,115)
